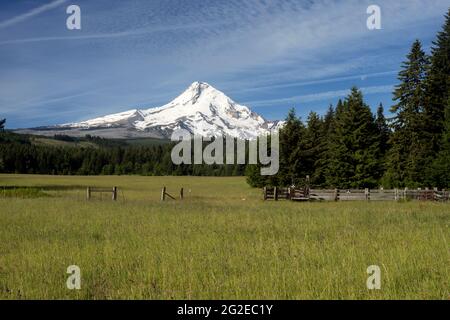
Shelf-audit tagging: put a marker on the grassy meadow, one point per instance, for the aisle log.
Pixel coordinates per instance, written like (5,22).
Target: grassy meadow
(221,242)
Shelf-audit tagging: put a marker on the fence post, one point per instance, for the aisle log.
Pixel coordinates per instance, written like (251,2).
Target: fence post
(289,194)
(163,194)
(336,196)
(181,194)
(307,186)
(265,193)
(88,193)
(367,193)
(114,194)
(275,194)
(396,194)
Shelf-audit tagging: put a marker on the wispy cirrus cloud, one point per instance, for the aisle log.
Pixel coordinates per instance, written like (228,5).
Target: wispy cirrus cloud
(363,76)
(320,96)
(113,35)
(30,14)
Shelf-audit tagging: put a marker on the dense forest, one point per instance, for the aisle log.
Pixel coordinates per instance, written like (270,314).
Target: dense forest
(20,154)
(348,147)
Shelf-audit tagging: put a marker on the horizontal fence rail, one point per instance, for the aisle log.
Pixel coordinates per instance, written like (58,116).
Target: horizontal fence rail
(306,194)
(90,190)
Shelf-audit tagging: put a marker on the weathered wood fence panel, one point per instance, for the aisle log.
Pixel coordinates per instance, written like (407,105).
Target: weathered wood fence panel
(352,195)
(322,195)
(384,195)
(442,196)
(275,193)
(283,194)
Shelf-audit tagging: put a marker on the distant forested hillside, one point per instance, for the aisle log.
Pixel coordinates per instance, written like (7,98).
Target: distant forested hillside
(97,156)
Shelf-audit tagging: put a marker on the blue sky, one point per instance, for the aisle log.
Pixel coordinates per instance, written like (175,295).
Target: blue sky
(268,55)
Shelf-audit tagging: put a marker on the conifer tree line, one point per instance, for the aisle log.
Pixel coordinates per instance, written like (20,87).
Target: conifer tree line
(349,147)
(18,154)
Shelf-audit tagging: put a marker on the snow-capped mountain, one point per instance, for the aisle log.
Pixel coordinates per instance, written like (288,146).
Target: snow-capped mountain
(201,109)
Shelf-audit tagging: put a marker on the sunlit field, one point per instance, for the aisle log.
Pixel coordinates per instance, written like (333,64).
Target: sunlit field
(221,242)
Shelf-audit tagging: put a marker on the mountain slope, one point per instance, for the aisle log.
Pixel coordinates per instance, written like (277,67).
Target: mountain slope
(201,109)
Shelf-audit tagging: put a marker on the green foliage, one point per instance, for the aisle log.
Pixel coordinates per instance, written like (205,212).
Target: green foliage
(411,140)
(103,157)
(354,148)
(319,176)
(440,171)
(313,146)
(292,159)
(341,149)
(438,83)
(254,177)
(384,131)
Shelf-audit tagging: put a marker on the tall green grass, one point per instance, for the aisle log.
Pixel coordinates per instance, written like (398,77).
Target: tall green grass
(221,242)
(22,192)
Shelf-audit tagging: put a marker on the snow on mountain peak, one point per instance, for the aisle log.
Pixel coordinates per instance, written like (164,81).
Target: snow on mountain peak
(201,109)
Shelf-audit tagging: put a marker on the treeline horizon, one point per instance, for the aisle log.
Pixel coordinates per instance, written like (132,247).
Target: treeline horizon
(108,157)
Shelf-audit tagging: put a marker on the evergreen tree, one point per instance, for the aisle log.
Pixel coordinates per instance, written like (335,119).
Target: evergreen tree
(2,124)
(319,176)
(438,83)
(411,147)
(383,130)
(254,177)
(313,147)
(291,151)
(328,121)
(354,147)
(440,171)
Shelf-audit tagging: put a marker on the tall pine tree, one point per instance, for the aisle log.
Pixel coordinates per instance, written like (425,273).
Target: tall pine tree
(313,146)
(354,149)
(320,171)
(438,83)
(383,130)
(292,162)
(440,171)
(411,147)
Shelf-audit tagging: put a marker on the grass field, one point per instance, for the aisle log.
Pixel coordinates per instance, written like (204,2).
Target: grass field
(221,242)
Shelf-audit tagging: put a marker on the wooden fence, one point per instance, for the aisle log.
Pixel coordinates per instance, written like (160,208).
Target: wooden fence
(90,190)
(306,194)
(165,194)
(292,194)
